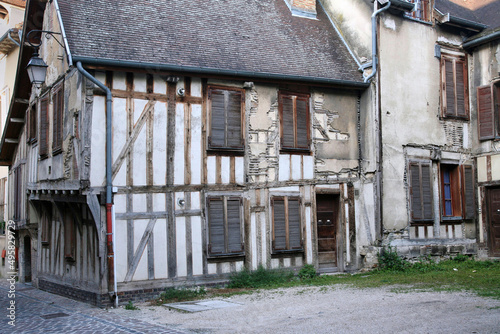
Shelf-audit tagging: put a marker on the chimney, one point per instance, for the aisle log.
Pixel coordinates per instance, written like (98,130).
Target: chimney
(302,8)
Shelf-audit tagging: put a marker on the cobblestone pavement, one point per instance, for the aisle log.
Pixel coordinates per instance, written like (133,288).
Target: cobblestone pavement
(38,311)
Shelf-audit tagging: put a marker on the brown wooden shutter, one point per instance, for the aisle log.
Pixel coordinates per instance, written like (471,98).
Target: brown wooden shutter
(218,122)
(294,228)
(461,88)
(287,121)
(279,224)
(302,108)
(234,244)
(486,113)
(233,119)
(216,225)
(58,108)
(44,127)
(449,88)
(421,191)
(469,207)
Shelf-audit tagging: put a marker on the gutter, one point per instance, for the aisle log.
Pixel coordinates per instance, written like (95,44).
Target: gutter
(453,20)
(63,33)
(481,40)
(109,182)
(214,71)
(374,41)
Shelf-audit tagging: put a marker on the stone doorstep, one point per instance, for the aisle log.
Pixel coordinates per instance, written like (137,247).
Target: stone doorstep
(201,305)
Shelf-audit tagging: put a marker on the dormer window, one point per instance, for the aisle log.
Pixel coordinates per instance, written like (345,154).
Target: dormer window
(422,10)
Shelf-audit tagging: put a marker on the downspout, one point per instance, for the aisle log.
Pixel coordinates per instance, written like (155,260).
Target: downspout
(374,40)
(12,39)
(109,182)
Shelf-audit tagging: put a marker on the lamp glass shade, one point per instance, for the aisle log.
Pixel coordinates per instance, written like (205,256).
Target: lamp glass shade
(36,69)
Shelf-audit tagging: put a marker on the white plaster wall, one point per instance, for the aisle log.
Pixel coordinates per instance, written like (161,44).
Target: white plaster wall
(141,272)
(160,144)
(98,144)
(160,249)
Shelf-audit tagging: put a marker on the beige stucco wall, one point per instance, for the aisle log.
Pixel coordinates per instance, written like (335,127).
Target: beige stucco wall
(410,105)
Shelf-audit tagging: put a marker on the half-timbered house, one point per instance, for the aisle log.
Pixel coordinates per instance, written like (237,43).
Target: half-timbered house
(197,139)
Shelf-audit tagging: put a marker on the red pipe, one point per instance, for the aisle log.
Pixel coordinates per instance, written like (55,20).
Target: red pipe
(109,225)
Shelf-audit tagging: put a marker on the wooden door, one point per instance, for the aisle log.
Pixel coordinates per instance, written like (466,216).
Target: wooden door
(494,221)
(327,207)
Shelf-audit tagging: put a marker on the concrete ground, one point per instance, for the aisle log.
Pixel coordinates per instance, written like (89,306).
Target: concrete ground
(309,310)
(314,310)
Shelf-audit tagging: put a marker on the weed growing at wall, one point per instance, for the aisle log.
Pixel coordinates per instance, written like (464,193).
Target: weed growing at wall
(131,307)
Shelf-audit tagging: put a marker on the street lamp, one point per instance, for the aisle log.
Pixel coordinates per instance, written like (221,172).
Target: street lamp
(37,68)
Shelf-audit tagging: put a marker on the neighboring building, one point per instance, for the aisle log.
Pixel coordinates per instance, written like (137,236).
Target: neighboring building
(426,112)
(11,19)
(485,98)
(234,141)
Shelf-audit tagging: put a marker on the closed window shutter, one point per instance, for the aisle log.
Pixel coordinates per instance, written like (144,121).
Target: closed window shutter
(468,192)
(279,224)
(44,127)
(302,105)
(486,114)
(461,87)
(58,103)
(295,241)
(218,126)
(233,225)
(32,124)
(421,191)
(226,119)
(449,88)
(233,111)
(288,126)
(216,225)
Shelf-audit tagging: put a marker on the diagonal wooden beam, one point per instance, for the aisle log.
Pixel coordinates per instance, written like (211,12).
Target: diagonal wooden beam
(140,249)
(133,136)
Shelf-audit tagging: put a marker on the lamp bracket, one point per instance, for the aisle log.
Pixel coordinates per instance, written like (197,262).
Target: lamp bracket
(37,45)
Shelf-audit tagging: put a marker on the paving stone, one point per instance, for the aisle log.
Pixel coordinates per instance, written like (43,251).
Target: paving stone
(42,312)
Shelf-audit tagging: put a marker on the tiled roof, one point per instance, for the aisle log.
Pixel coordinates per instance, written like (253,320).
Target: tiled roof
(257,36)
(481,11)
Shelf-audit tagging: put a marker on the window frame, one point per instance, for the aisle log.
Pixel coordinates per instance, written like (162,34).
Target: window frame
(227,251)
(288,248)
(32,124)
(45,221)
(488,109)
(296,147)
(462,201)
(456,60)
(226,147)
(57,118)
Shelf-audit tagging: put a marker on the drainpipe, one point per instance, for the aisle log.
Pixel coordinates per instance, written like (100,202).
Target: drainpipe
(109,182)
(374,40)
(12,39)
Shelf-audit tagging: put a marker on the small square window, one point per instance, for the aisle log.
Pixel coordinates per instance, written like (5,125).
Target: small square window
(294,122)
